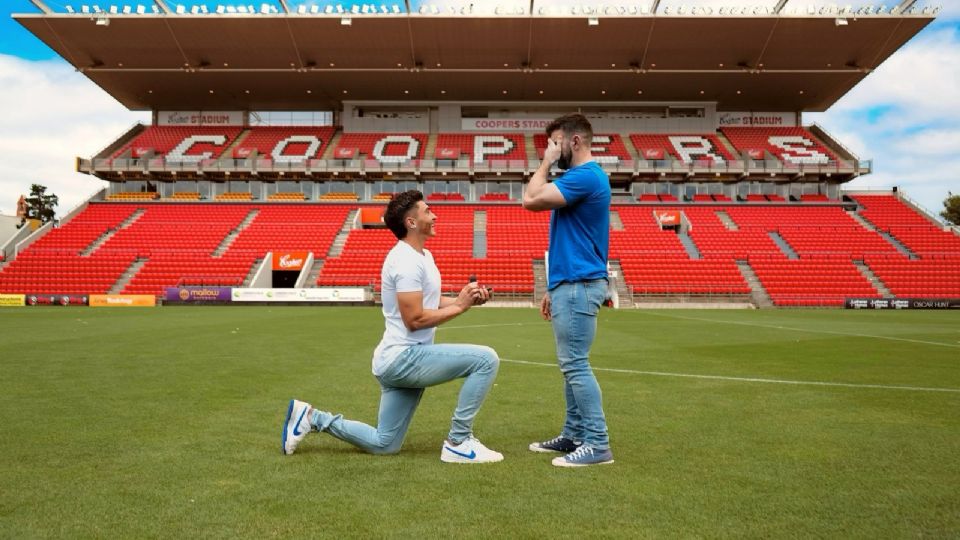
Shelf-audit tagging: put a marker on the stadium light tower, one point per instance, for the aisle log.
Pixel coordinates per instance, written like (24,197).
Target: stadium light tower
(905,5)
(162,4)
(41,6)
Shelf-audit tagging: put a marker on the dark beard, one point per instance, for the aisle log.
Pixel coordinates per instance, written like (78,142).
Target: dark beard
(564,162)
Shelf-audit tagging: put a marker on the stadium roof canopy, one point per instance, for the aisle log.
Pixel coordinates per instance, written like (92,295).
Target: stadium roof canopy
(313,62)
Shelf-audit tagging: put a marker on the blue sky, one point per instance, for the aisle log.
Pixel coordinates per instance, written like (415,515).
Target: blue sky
(905,116)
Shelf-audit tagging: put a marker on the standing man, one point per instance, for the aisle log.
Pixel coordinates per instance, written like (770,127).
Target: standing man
(407,361)
(577,282)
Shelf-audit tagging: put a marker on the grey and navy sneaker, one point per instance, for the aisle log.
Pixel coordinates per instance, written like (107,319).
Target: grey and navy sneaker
(557,444)
(583,457)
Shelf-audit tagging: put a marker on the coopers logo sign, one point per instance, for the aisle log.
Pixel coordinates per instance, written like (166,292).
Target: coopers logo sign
(289,260)
(200,118)
(756,119)
(668,217)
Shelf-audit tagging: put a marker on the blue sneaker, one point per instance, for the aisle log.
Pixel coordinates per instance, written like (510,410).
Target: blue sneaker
(295,427)
(557,444)
(583,457)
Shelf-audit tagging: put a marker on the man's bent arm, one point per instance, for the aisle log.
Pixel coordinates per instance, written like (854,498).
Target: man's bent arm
(541,195)
(416,317)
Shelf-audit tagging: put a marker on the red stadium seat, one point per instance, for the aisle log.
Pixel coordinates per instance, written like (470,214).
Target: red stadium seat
(792,145)
(698,148)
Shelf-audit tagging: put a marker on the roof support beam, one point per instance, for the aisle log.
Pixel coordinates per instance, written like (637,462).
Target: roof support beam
(41,6)
(905,5)
(162,4)
(654,7)
(285,6)
(780,5)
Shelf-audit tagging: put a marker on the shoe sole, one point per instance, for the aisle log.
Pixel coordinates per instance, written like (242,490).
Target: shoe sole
(464,461)
(535,447)
(566,464)
(286,428)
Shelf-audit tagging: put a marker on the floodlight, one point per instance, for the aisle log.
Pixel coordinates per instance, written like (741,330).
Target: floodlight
(127,10)
(141,9)
(328,9)
(181,10)
(204,10)
(231,9)
(113,10)
(195,10)
(156,9)
(96,9)
(84,9)
(339,8)
(241,9)
(69,8)
(314,9)
(384,9)
(396,8)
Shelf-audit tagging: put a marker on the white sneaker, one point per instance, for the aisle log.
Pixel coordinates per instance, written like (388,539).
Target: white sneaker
(469,451)
(295,427)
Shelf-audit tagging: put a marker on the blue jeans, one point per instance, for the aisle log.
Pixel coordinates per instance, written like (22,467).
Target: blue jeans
(401,387)
(574,308)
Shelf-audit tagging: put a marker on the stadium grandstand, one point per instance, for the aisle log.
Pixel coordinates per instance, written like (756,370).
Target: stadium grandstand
(285,129)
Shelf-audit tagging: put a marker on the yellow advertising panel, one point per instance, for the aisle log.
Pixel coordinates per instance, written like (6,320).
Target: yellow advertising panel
(122,300)
(12,300)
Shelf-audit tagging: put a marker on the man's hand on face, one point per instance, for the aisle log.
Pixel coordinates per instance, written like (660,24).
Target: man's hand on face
(553,151)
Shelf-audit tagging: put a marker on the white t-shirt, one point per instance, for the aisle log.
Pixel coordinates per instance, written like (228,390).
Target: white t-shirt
(405,270)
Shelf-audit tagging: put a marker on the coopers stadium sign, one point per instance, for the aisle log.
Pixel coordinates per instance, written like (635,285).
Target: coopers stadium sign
(505,124)
(200,118)
(756,119)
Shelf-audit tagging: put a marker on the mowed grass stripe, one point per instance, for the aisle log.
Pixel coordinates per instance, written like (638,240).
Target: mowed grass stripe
(746,379)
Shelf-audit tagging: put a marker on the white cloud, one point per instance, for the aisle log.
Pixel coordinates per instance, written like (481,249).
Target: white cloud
(904,117)
(52,115)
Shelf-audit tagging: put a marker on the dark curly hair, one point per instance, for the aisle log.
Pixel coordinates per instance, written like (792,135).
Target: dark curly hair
(398,208)
(574,123)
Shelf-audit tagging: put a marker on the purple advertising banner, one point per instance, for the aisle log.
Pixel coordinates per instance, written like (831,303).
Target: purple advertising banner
(198,294)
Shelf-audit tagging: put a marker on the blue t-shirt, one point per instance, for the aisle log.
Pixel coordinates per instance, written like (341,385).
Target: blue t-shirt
(580,231)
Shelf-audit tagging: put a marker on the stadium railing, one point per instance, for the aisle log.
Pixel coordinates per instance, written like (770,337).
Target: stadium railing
(641,166)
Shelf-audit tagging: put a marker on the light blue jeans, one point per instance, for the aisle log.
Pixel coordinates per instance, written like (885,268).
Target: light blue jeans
(401,387)
(574,308)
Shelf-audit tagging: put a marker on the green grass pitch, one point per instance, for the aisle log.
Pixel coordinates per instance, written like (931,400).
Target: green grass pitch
(140,423)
